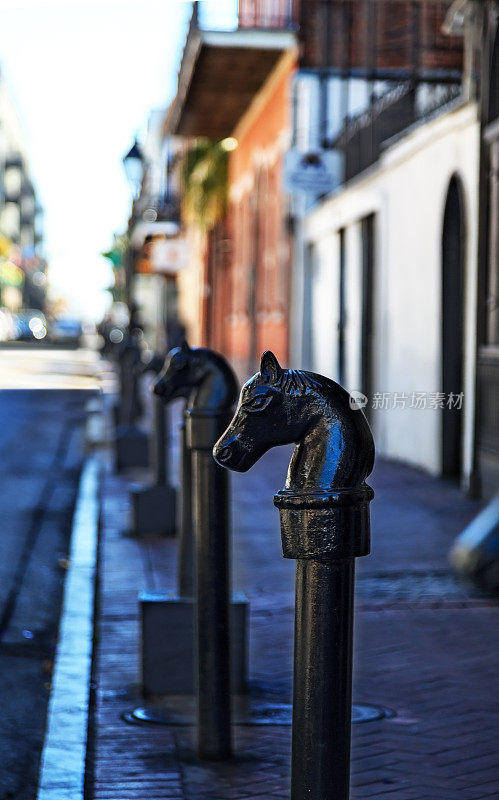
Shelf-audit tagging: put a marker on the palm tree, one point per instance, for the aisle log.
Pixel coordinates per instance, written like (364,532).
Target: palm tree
(204,172)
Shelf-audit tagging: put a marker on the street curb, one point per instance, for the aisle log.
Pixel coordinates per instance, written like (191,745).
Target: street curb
(62,766)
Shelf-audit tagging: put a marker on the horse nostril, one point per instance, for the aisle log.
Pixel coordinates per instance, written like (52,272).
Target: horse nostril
(224,453)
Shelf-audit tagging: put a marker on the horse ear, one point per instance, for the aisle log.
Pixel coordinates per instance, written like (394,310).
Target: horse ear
(269,367)
(184,346)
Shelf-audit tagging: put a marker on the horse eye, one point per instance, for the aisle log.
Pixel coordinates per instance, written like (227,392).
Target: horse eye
(258,403)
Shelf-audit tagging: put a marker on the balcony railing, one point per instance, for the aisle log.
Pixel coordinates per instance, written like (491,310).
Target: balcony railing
(363,138)
(268,14)
(165,208)
(154,215)
(168,209)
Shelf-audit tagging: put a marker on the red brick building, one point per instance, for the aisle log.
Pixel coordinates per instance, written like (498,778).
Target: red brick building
(234,294)
(257,311)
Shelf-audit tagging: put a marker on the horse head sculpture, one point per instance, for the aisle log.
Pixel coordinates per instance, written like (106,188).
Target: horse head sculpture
(200,374)
(324,515)
(334,445)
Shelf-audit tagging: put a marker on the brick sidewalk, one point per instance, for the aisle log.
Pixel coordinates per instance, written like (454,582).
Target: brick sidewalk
(425,648)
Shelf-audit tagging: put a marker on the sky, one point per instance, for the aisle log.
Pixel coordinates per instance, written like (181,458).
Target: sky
(85,76)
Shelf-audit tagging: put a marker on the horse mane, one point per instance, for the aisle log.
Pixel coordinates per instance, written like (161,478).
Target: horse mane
(217,365)
(204,355)
(296,382)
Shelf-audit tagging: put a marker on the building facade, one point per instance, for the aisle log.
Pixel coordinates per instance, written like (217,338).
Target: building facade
(22,268)
(403,252)
(237,86)
(289,75)
(388,282)
(391,260)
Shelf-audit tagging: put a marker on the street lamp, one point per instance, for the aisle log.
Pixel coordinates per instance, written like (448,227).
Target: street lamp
(134,167)
(133,163)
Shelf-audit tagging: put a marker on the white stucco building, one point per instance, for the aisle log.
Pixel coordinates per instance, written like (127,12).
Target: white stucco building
(379,315)
(395,286)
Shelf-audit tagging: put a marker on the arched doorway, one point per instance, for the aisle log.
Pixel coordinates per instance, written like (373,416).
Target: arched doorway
(453,236)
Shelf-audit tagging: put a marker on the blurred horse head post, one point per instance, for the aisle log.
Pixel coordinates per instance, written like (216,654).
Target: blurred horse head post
(324,513)
(153,506)
(164,395)
(208,381)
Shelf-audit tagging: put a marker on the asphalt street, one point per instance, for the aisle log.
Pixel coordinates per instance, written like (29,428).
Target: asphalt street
(42,399)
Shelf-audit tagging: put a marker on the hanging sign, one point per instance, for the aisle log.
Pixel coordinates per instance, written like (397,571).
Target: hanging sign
(168,255)
(314,172)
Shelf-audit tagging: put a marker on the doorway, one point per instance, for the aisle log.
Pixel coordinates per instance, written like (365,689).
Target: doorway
(453,236)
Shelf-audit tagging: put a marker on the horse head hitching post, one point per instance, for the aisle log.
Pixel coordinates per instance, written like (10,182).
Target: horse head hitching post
(167,618)
(213,391)
(132,446)
(324,512)
(153,507)
(167,640)
(167,391)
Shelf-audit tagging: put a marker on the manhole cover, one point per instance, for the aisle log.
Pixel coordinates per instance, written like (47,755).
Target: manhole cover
(369,713)
(246,712)
(282,713)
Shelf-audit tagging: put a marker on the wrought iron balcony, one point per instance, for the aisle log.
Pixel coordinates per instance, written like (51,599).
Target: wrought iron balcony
(222,70)
(168,209)
(363,138)
(163,208)
(154,215)
(278,15)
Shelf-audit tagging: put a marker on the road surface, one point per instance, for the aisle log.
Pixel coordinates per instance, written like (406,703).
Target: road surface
(42,399)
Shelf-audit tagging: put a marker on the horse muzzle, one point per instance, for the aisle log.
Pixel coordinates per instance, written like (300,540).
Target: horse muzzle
(167,390)
(230,453)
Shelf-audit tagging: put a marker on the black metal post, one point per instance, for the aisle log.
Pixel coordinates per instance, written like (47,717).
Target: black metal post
(130,367)
(129,378)
(324,532)
(153,506)
(211,526)
(159,455)
(209,382)
(132,447)
(185,574)
(322,680)
(324,513)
